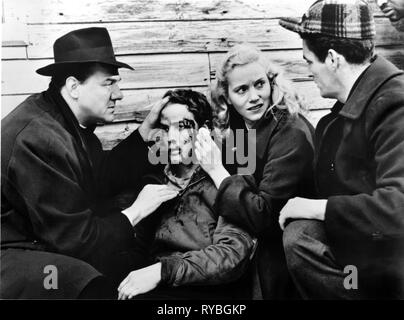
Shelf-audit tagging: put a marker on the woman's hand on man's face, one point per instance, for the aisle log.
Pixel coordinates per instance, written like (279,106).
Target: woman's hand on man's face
(210,157)
(207,152)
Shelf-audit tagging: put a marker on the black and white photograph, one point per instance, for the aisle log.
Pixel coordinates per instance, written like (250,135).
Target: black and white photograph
(218,152)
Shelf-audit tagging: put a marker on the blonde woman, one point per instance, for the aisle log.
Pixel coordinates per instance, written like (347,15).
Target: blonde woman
(251,95)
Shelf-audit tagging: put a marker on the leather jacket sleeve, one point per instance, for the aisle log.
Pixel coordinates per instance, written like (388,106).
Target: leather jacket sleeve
(222,262)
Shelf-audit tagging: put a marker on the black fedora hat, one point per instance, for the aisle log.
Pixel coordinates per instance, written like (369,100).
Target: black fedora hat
(80,46)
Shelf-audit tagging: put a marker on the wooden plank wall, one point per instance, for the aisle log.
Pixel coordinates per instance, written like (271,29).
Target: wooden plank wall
(170,43)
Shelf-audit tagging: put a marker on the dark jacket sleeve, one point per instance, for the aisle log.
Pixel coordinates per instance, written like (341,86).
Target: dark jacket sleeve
(378,216)
(255,205)
(222,262)
(46,175)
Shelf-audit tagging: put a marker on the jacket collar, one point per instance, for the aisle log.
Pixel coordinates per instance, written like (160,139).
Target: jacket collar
(264,128)
(372,79)
(267,126)
(71,123)
(160,176)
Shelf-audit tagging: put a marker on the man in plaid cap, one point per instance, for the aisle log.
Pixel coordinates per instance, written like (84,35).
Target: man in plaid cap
(349,243)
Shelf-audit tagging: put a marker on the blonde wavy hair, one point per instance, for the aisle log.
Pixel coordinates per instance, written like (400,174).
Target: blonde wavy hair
(242,54)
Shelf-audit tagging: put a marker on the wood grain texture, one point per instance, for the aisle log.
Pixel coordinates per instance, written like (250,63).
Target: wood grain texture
(13,52)
(66,11)
(295,68)
(111,134)
(8,103)
(190,36)
(137,103)
(151,71)
(167,70)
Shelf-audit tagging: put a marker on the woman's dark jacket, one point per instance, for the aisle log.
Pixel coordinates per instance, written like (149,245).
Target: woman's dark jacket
(284,160)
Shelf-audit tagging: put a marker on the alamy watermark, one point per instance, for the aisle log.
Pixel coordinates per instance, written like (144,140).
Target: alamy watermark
(50,282)
(351,280)
(237,147)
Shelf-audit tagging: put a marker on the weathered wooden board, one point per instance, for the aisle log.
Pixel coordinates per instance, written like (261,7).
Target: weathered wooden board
(151,71)
(168,70)
(137,103)
(296,68)
(67,11)
(134,106)
(111,134)
(12,52)
(190,36)
(8,103)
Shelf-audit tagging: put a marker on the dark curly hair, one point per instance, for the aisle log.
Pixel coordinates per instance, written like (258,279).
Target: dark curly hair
(354,51)
(196,102)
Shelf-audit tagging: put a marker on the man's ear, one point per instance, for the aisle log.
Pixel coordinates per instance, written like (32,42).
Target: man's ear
(333,59)
(72,87)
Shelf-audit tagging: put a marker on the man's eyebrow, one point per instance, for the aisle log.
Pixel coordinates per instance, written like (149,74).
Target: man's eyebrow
(304,57)
(113,78)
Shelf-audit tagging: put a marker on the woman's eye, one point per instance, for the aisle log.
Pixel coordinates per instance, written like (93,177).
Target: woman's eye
(260,84)
(241,90)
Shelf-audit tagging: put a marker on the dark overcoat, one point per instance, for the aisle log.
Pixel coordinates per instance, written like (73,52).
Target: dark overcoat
(283,151)
(53,176)
(363,178)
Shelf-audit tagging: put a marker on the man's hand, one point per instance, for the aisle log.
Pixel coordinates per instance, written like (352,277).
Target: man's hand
(148,200)
(393,9)
(140,281)
(301,208)
(151,120)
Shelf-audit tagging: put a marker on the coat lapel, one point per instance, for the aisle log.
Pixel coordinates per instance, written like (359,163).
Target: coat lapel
(375,76)
(72,126)
(265,128)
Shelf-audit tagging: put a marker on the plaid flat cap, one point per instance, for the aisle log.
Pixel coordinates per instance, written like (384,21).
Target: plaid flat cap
(349,19)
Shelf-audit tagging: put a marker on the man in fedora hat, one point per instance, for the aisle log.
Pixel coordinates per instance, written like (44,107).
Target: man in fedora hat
(58,239)
(349,243)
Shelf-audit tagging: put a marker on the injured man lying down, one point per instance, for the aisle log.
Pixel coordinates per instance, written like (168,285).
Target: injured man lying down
(194,253)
